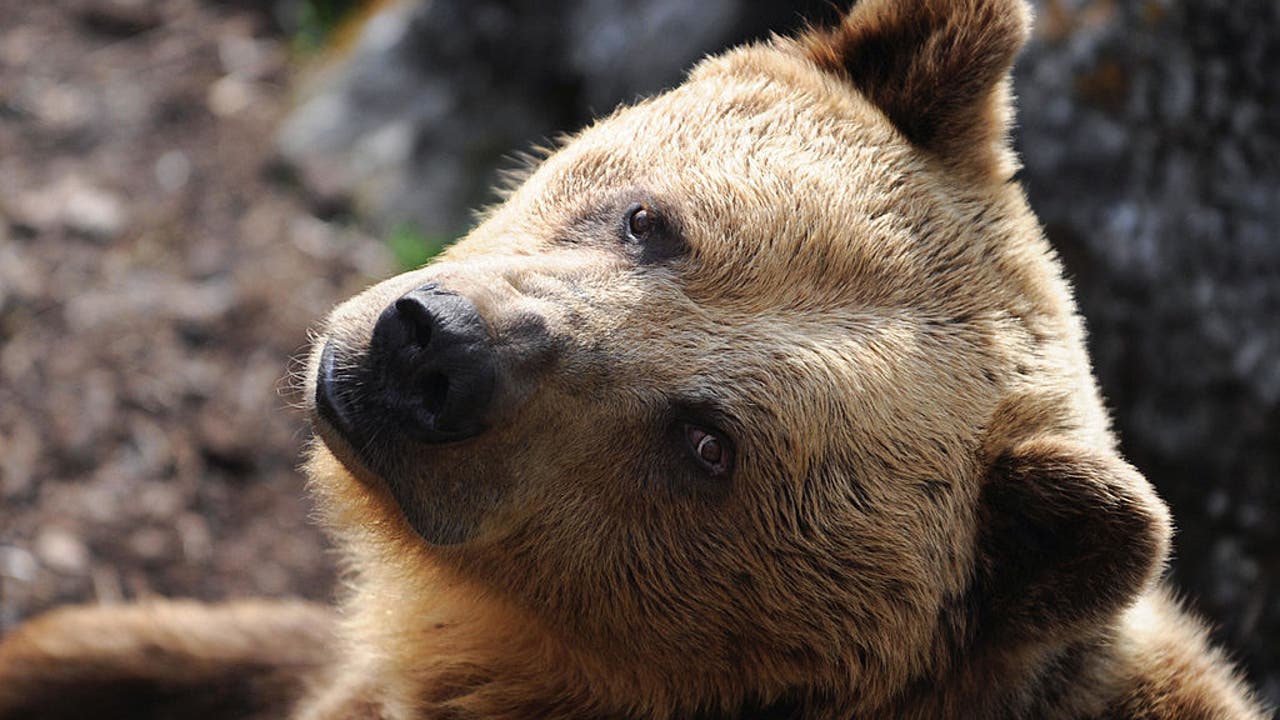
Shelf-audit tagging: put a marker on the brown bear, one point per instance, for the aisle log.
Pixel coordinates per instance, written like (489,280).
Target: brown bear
(763,398)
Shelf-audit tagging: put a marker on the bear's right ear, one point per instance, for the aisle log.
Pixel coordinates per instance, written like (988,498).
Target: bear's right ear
(938,69)
(1068,536)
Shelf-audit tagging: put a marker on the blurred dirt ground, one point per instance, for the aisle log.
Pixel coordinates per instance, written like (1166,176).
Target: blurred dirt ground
(157,274)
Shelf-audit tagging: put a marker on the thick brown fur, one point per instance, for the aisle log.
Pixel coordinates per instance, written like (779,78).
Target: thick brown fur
(928,516)
(165,660)
(937,68)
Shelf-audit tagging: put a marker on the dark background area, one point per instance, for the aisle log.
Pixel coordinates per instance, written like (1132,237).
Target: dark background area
(186,185)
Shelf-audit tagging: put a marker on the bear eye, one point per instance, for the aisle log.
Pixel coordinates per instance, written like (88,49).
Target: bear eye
(641,222)
(710,448)
(650,235)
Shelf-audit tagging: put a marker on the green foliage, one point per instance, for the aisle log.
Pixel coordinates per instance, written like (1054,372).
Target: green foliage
(318,19)
(412,248)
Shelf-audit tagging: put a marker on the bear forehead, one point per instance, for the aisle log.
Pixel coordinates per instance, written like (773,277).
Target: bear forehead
(724,128)
(786,180)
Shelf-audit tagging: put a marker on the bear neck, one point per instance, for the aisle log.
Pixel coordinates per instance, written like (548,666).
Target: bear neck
(449,654)
(1056,682)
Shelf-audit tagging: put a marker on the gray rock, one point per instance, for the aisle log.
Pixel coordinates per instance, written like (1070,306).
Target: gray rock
(410,127)
(1160,186)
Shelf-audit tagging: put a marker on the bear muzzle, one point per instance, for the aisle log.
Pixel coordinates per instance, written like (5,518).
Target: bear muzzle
(424,389)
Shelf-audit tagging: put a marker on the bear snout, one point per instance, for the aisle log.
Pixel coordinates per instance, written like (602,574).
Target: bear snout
(437,363)
(429,371)
(421,388)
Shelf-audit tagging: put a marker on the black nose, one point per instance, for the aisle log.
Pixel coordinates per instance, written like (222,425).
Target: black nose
(434,365)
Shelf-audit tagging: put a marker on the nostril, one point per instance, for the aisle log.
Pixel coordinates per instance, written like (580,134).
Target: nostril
(418,318)
(435,389)
(432,363)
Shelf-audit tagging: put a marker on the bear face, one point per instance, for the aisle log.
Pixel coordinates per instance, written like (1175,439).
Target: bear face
(766,387)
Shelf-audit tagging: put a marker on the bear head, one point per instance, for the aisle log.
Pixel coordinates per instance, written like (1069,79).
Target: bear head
(766,389)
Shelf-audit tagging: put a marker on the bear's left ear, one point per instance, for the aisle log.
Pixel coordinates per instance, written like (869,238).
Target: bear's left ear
(1068,536)
(938,69)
